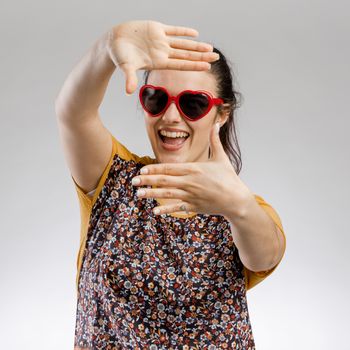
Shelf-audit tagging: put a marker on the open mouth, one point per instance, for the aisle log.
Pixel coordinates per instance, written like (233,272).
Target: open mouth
(173,141)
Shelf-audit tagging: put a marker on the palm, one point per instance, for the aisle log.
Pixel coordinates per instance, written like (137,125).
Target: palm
(148,45)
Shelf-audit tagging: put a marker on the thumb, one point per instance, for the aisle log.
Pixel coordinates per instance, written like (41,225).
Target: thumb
(217,150)
(130,78)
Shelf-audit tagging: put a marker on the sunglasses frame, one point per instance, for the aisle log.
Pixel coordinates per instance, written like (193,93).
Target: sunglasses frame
(213,101)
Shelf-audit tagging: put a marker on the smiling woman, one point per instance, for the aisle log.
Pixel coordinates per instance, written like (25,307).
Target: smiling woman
(143,279)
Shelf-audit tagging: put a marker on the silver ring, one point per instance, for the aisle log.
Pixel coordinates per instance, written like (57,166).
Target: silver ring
(183,207)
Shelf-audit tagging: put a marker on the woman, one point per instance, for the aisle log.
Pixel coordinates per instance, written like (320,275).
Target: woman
(176,278)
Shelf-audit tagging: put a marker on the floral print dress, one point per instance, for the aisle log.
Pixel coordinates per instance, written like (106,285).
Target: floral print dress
(146,281)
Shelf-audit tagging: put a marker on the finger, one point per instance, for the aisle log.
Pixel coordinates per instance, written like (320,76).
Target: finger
(159,181)
(177,208)
(180,31)
(130,77)
(173,193)
(193,56)
(169,169)
(216,147)
(183,65)
(187,44)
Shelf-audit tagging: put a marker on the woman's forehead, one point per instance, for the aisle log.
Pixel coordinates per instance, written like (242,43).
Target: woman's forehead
(176,81)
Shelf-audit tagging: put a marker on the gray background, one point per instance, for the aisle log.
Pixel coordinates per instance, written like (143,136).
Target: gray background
(291,59)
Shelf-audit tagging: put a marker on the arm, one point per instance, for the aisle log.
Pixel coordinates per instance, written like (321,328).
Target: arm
(86,142)
(258,239)
(84,89)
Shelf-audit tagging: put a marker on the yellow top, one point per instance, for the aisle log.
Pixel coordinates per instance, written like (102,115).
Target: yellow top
(86,203)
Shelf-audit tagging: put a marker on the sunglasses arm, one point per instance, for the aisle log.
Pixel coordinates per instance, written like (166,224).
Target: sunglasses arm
(218,101)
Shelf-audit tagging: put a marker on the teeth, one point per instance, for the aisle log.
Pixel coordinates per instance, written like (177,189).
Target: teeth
(173,134)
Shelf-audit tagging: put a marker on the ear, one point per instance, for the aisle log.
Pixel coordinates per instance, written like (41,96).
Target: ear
(223,115)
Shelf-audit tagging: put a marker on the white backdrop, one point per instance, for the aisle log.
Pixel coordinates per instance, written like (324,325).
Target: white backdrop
(291,59)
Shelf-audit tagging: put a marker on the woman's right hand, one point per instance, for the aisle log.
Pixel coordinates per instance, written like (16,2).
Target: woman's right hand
(148,45)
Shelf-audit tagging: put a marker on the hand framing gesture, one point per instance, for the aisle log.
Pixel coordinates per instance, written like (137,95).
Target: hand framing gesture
(149,45)
(211,187)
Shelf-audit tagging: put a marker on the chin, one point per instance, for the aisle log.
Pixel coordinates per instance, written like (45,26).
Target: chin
(171,158)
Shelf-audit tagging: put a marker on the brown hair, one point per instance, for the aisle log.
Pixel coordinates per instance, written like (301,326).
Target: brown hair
(221,69)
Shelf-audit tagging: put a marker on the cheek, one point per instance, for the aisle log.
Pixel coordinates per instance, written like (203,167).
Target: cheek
(149,123)
(151,128)
(202,128)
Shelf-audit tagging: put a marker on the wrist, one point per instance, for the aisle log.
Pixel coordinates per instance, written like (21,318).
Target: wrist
(109,44)
(101,50)
(242,206)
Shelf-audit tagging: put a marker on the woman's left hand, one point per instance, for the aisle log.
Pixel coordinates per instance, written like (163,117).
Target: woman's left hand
(211,187)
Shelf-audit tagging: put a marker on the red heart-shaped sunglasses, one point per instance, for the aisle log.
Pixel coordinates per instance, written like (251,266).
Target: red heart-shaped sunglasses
(193,105)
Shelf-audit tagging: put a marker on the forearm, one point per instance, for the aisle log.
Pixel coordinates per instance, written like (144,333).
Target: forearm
(83,90)
(256,236)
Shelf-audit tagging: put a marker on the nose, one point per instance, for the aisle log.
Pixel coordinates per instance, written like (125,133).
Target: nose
(172,114)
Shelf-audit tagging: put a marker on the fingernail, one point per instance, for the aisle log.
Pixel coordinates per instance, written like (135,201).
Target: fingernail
(141,192)
(144,171)
(135,181)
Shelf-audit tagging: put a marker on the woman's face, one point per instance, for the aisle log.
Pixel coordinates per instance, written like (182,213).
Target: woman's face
(196,146)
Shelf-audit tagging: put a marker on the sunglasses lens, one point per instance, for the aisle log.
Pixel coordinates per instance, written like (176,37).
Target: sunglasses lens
(154,100)
(194,105)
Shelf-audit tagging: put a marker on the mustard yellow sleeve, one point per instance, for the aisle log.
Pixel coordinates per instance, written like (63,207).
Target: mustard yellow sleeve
(255,277)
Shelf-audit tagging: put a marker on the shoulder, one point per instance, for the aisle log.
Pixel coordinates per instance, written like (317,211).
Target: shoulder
(119,155)
(123,152)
